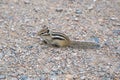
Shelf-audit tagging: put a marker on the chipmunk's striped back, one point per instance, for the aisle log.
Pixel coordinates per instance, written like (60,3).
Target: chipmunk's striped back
(60,36)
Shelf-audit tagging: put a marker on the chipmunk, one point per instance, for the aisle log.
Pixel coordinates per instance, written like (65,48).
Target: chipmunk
(58,39)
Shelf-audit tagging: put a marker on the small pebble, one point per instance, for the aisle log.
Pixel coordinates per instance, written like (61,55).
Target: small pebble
(12,29)
(116,32)
(94,0)
(76,19)
(53,77)
(36,9)
(42,77)
(78,12)
(1,55)
(90,7)
(27,1)
(2,76)
(30,46)
(59,10)
(83,77)
(114,18)
(95,39)
(23,77)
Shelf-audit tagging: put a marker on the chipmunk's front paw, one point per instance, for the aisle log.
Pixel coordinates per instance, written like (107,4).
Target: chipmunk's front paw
(43,43)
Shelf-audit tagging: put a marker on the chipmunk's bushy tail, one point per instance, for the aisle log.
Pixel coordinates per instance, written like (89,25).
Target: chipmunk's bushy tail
(84,45)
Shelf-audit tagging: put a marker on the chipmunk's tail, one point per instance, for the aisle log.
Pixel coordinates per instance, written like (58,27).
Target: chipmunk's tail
(84,45)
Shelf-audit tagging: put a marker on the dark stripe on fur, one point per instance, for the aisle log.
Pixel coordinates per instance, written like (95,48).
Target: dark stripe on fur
(58,38)
(58,35)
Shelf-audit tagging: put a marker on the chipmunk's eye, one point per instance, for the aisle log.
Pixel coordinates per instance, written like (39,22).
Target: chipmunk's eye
(42,33)
(48,31)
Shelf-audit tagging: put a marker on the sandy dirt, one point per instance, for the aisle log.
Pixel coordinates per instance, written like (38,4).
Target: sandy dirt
(23,58)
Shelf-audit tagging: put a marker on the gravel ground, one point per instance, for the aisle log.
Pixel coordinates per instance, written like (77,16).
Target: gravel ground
(23,58)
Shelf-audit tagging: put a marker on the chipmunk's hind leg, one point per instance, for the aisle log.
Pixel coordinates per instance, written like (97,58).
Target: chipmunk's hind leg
(55,45)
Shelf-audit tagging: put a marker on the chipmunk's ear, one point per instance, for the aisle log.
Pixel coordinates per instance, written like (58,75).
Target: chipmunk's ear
(44,27)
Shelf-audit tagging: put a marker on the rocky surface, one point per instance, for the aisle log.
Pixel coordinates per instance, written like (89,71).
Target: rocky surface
(23,58)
